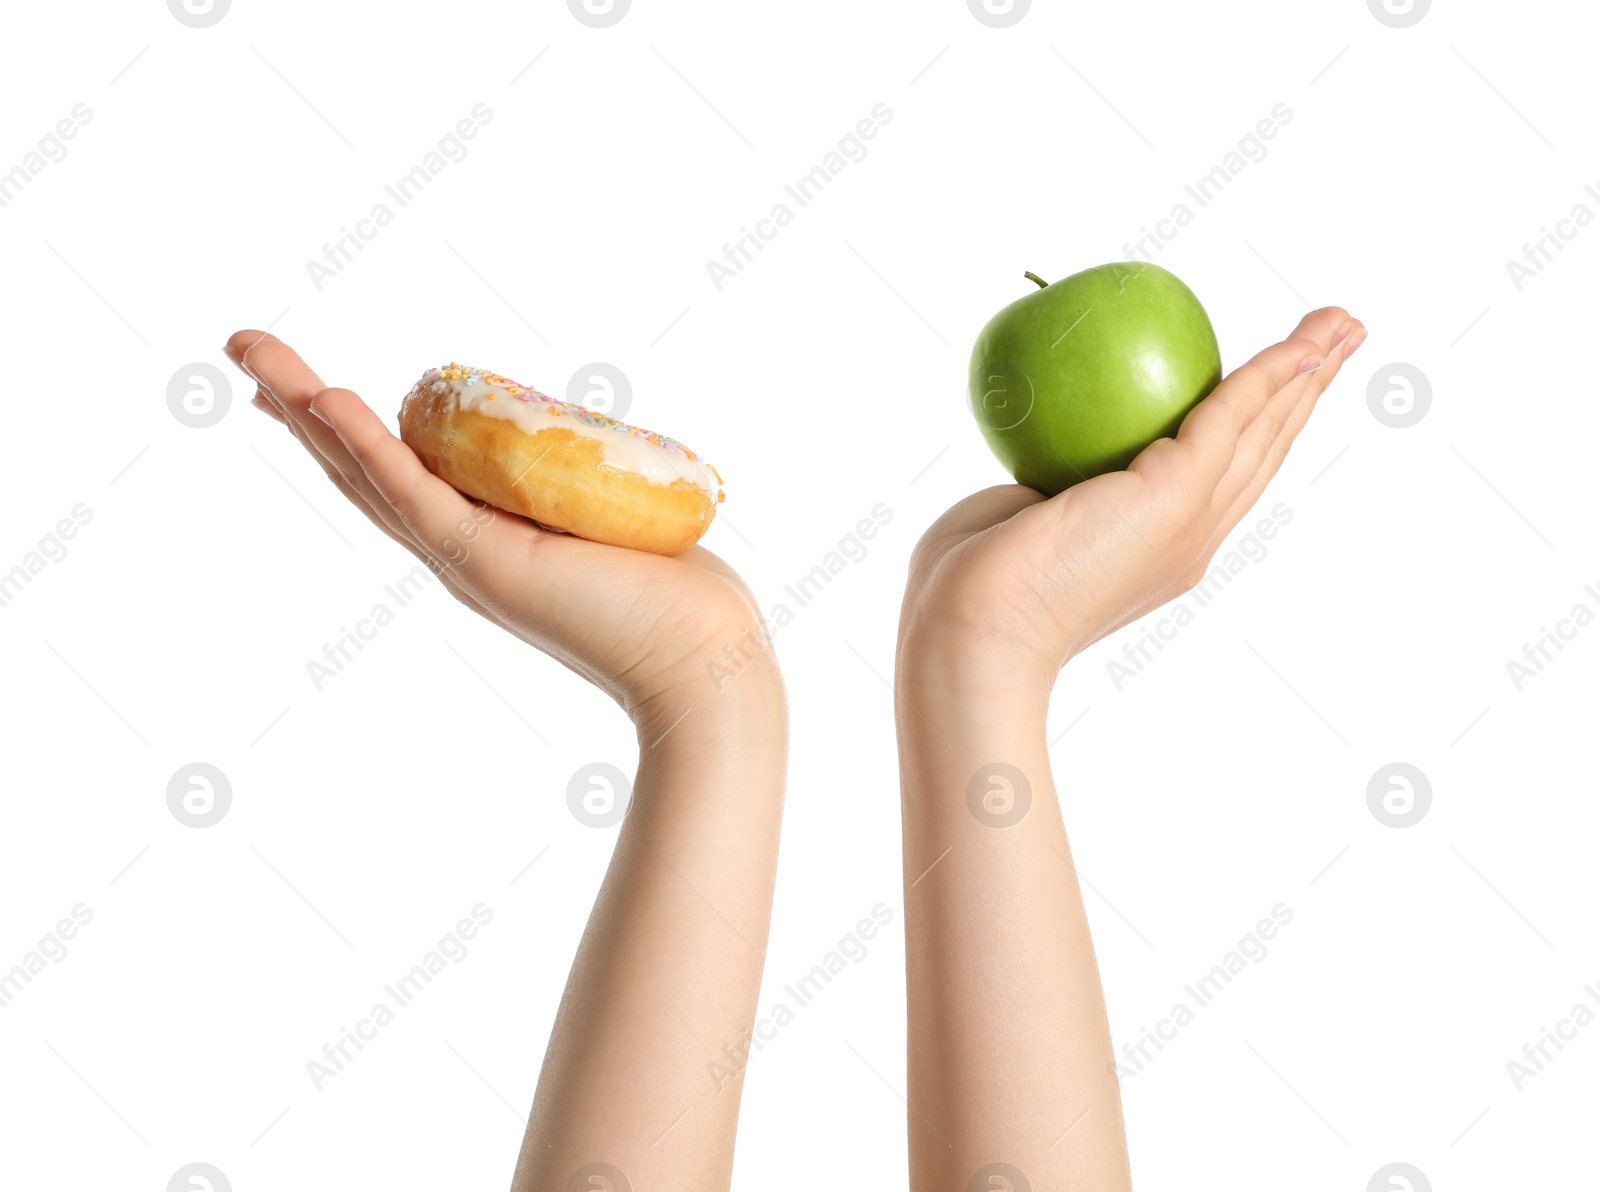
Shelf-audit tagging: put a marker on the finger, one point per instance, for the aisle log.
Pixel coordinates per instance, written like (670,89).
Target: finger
(240,342)
(286,385)
(439,568)
(277,366)
(359,492)
(289,385)
(260,402)
(442,569)
(1211,432)
(238,347)
(1280,434)
(1273,458)
(1248,496)
(1326,327)
(429,509)
(346,487)
(1293,403)
(243,348)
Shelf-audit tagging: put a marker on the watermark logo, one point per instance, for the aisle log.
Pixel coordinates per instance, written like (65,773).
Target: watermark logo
(451,949)
(723,668)
(1002,400)
(1399,1177)
(454,550)
(1537,654)
(52,548)
(1399,14)
(1139,650)
(199,14)
(51,150)
(1535,1056)
(1252,949)
(598,795)
(999,1177)
(1399,395)
(852,949)
(1399,795)
(850,149)
(199,395)
(999,795)
(999,14)
(342,651)
(735,656)
(598,1177)
(450,150)
(198,1177)
(599,14)
(51,949)
(1543,251)
(199,795)
(603,388)
(1251,149)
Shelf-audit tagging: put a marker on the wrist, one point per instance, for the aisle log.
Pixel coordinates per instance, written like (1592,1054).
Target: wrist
(970,729)
(973,676)
(958,721)
(716,703)
(725,756)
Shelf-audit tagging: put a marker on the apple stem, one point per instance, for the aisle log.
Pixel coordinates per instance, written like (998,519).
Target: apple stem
(1034,277)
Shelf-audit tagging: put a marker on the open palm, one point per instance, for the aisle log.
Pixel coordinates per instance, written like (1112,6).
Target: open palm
(641,626)
(1028,581)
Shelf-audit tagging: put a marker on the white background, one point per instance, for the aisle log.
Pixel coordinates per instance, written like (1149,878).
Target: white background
(369,816)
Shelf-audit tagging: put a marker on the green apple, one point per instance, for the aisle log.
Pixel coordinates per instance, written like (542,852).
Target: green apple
(1076,378)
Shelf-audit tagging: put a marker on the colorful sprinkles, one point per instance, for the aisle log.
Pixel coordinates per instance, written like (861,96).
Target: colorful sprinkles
(478,376)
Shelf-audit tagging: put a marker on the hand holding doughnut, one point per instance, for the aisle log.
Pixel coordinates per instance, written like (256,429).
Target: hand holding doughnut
(639,625)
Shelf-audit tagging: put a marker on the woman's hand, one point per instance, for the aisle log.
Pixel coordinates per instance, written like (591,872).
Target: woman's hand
(1004,588)
(643,628)
(686,904)
(1016,584)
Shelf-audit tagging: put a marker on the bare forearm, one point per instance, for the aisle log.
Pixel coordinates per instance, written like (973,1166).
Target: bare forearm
(1010,1054)
(670,964)
(1009,1047)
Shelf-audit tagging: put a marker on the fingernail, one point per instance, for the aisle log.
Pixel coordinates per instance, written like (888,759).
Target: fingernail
(266,408)
(316,409)
(1349,326)
(1356,340)
(1310,364)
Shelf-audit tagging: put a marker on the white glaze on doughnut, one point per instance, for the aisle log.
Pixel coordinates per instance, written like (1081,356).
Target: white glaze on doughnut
(658,459)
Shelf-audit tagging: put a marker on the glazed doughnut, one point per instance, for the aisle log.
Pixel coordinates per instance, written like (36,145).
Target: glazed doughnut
(565,466)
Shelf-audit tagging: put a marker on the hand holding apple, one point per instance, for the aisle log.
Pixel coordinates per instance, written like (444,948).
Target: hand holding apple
(1009,584)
